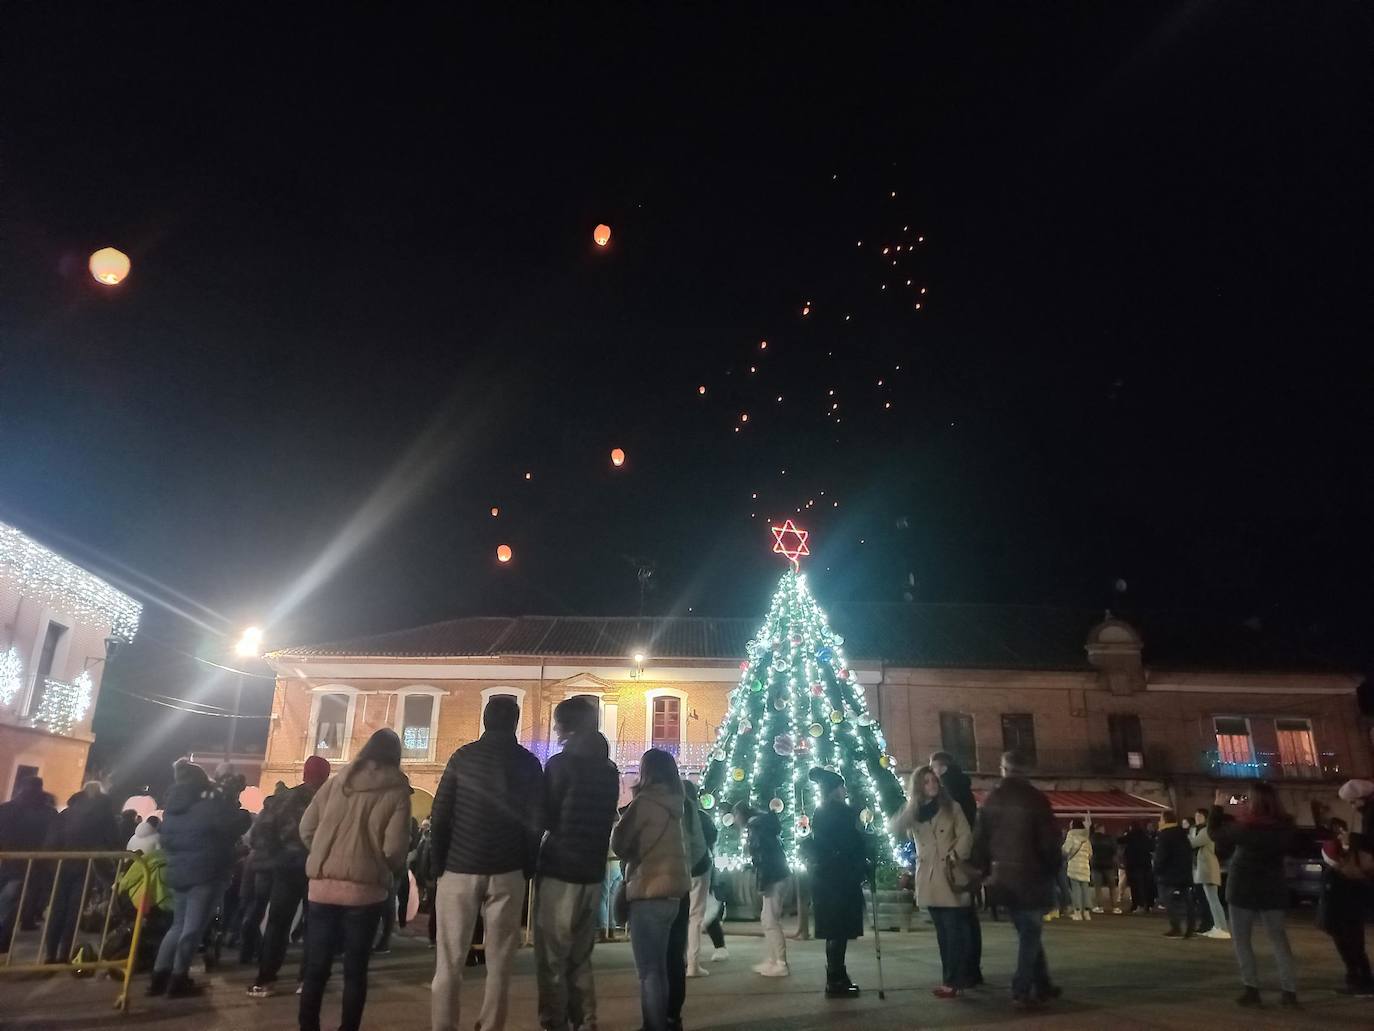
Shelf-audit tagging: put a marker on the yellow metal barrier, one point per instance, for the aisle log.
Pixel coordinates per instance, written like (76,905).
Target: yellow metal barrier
(117,862)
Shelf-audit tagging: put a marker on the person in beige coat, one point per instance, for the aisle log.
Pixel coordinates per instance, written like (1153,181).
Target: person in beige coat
(357,829)
(649,839)
(1078,850)
(1207,873)
(943,836)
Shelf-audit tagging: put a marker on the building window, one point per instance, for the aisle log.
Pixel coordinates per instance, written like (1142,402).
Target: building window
(667,722)
(417,725)
(1018,735)
(1235,750)
(1297,748)
(46,656)
(330,735)
(1128,745)
(956,738)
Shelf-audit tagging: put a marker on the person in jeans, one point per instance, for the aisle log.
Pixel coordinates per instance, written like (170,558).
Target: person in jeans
(277,836)
(1173,870)
(840,861)
(1078,857)
(1257,890)
(581,788)
(357,829)
(200,828)
(1347,876)
(649,839)
(484,834)
(1016,843)
(26,820)
(1207,874)
(942,835)
(770,877)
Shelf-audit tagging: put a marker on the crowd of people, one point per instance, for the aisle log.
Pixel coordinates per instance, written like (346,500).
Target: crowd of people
(330,861)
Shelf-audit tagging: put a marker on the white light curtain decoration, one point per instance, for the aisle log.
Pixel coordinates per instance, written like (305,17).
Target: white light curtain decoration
(11,675)
(48,577)
(63,706)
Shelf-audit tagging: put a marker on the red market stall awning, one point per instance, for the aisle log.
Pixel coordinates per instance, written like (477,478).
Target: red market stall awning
(1102,804)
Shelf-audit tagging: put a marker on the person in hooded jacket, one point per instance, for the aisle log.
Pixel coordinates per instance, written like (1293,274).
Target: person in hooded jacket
(841,861)
(357,831)
(581,788)
(1257,888)
(649,839)
(25,823)
(1173,870)
(147,836)
(959,786)
(770,877)
(279,851)
(200,827)
(88,824)
(1078,854)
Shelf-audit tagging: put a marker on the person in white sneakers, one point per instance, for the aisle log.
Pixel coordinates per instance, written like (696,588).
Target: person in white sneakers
(770,874)
(1207,874)
(705,839)
(1078,850)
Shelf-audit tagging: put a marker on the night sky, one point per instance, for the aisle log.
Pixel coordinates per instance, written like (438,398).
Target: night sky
(365,300)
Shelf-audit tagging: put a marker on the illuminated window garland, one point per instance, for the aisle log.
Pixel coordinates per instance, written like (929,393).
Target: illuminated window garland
(11,675)
(48,577)
(63,705)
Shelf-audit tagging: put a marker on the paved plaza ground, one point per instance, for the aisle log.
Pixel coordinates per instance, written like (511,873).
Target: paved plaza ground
(1117,972)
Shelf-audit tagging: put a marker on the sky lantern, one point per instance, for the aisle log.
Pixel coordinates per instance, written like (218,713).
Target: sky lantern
(503,553)
(109,266)
(495,511)
(602,234)
(617,457)
(701,389)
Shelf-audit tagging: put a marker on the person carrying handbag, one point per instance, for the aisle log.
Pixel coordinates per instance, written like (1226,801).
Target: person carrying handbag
(944,880)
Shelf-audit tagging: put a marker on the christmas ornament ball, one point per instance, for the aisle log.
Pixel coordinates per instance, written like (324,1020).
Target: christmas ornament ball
(707,800)
(737,774)
(815,730)
(775,805)
(836,716)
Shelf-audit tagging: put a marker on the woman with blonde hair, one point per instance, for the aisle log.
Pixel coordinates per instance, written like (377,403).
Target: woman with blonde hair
(943,840)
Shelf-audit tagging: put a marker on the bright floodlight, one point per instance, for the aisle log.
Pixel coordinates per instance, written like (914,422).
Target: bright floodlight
(250,644)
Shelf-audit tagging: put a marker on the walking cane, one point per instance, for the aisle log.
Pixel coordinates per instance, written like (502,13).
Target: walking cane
(877,939)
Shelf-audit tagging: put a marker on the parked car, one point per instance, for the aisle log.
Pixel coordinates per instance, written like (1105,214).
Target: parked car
(1303,864)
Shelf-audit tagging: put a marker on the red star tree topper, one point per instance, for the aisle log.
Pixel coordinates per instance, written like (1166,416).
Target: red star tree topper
(790,541)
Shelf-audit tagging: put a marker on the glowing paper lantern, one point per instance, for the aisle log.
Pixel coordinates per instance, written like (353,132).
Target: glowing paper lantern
(701,389)
(503,553)
(109,266)
(495,511)
(602,235)
(617,457)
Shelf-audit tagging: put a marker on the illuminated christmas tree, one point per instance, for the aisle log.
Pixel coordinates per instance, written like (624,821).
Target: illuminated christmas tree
(797,706)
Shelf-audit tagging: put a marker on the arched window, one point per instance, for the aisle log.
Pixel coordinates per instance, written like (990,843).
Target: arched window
(331,721)
(417,721)
(665,717)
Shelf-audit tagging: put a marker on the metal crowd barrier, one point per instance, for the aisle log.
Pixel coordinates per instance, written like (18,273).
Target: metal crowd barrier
(120,863)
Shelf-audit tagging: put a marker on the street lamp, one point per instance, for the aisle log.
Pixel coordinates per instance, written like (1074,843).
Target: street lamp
(249,646)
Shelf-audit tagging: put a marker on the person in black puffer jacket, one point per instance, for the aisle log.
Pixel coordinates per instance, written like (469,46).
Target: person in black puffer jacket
(839,855)
(1257,888)
(25,823)
(581,788)
(200,827)
(1173,868)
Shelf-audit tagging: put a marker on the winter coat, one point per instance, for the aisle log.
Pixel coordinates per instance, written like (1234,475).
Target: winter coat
(1257,878)
(960,788)
(1206,866)
(148,876)
(199,829)
(87,825)
(357,827)
(649,839)
(146,839)
(944,833)
(1173,860)
(26,822)
(1136,852)
(1017,841)
(765,851)
(1104,853)
(581,789)
(841,861)
(276,836)
(1078,852)
(694,841)
(488,810)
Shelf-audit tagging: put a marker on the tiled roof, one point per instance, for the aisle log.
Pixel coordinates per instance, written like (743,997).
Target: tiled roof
(1020,637)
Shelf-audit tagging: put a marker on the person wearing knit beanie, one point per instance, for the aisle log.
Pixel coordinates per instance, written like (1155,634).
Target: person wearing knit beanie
(316,771)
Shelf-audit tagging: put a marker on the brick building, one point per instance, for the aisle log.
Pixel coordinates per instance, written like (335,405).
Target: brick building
(1117,725)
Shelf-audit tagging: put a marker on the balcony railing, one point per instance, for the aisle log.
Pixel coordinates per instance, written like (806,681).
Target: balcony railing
(1271,766)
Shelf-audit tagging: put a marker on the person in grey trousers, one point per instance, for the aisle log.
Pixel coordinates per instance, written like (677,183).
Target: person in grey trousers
(581,789)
